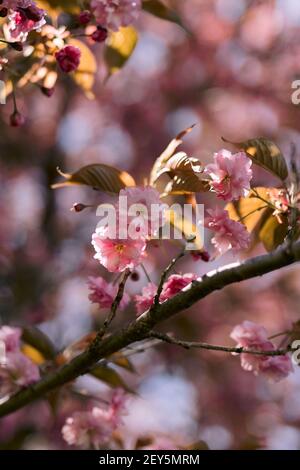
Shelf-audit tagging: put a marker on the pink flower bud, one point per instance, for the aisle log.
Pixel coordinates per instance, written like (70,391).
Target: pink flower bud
(84,17)
(68,58)
(17,119)
(47,91)
(3,12)
(100,34)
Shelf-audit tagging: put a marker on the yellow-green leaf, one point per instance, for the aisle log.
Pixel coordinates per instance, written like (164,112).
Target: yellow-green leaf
(161,161)
(186,227)
(160,10)
(251,210)
(36,339)
(273,232)
(121,45)
(266,154)
(108,376)
(84,75)
(99,176)
(185,174)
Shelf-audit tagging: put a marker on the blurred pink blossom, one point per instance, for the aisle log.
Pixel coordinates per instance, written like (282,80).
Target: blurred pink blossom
(115,13)
(250,335)
(91,429)
(103,293)
(24,20)
(18,371)
(230,174)
(11,338)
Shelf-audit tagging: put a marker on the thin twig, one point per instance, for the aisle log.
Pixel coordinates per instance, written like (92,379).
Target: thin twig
(212,347)
(113,309)
(164,277)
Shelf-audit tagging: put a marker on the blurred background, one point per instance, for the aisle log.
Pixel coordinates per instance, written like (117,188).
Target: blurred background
(232,76)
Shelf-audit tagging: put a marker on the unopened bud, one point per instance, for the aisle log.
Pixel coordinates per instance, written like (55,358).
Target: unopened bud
(3,12)
(135,276)
(17,119)
(78,207)
(47,91)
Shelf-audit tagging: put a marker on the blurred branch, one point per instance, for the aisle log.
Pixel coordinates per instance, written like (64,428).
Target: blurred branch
(140,328)
(196,345)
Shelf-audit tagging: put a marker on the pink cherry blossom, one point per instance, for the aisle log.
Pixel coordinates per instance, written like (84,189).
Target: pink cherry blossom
(252,336)
(115,13)
(93,428)
(276,368)
(68,58)
(230,174)
(11,338)
(147,210)
(88,429)
(17,371)
(103,293)
(14,4)
(23,20)
(229,234)
(175,284)
(118,254)
(144,301)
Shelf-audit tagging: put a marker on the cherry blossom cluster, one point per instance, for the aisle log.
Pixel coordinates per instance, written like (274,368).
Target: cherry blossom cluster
(95,22)
(91,429)
(251,336)
(16,370)
(230,177)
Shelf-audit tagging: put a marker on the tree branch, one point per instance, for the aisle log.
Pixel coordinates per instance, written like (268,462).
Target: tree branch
(139,329)
(211,347)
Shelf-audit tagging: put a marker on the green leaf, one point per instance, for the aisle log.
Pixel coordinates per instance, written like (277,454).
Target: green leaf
(109,376)
(264,153)
(99,176)
(120,47)
(39,341)
(250,210)
(160,10)
(84,75)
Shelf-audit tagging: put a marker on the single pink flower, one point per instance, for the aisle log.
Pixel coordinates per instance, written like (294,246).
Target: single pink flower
(229,234)
(175,283)
(103,293)
(144,301)
(230,174)
(115,13)
(17,371)
(11,338)
(251,336)
(68,58)
(118,254)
